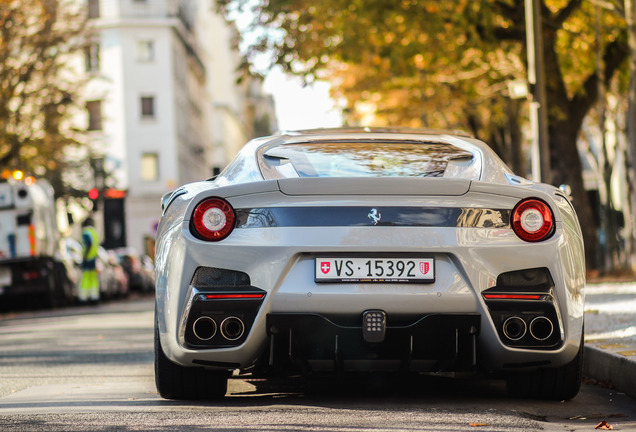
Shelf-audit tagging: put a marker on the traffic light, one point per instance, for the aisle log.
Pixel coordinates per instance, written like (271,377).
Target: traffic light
(93,194)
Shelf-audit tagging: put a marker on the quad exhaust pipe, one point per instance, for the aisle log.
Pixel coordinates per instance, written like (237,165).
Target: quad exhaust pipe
(541,328)
(515,328)
(232,328)
(205,328)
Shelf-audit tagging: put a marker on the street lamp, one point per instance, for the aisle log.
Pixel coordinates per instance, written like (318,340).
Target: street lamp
(538,101)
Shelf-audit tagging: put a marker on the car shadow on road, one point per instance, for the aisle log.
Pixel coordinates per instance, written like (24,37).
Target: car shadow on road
(373,386)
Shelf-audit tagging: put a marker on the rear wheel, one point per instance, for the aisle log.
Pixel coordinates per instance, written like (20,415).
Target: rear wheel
(177,382)
(562,383)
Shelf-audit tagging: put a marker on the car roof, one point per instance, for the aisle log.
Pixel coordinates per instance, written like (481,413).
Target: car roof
(245,167)
(375,130)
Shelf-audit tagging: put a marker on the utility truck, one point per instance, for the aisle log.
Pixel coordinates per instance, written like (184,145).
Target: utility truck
(31,265)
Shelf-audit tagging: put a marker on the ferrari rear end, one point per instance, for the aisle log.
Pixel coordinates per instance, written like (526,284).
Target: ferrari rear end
(307,272)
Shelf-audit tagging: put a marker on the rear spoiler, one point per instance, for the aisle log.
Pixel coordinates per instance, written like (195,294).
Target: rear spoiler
(374,186)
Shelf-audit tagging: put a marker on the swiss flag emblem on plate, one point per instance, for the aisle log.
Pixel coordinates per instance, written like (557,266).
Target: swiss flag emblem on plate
(325,266)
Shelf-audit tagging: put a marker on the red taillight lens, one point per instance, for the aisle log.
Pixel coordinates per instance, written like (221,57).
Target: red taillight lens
(532,220)
(213,219)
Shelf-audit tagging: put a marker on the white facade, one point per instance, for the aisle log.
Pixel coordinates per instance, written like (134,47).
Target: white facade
(235,107)
(164,69)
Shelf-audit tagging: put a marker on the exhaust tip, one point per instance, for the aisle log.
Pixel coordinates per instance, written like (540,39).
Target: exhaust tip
(232,328)
(514,328)
(204,328)
(541,328)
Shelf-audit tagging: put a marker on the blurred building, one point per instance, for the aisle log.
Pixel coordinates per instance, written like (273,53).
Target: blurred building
(163,106)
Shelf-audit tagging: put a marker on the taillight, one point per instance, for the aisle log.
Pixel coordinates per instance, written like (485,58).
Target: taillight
(532,220)
(213,219)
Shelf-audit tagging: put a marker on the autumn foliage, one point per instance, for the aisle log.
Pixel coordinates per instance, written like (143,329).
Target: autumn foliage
(447,64)
(38,89)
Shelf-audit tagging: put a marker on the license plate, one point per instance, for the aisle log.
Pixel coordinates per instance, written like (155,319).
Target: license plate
(420,270)
(5,276)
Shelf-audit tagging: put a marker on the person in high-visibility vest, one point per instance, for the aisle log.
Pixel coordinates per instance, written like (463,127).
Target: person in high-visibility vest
(89,288)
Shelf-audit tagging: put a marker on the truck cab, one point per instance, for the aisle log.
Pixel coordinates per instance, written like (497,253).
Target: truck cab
(29,243)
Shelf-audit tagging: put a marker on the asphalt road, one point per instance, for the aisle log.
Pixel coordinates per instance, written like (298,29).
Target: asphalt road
(90,369)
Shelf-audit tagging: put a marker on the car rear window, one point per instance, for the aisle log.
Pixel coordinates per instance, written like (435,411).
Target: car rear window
(366,159)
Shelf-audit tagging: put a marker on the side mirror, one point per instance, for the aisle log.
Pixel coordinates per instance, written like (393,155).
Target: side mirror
(567,190)
(164,200)
(167,198)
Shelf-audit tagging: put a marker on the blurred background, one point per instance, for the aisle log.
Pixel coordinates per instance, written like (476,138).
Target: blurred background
(113,103)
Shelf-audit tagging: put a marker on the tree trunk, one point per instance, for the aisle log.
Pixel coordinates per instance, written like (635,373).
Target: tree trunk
(567,169)
(564,123)
(630,121)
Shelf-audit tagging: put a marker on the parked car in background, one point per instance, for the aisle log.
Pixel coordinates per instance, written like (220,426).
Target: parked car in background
(105,272)
(366,250)
(113,281)
(72,250)
(139,269)
(148,267)
(120,276)
(71,259)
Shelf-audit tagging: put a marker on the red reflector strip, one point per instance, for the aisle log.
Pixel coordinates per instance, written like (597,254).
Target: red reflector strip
(32,239)
(513,296)
(233,296)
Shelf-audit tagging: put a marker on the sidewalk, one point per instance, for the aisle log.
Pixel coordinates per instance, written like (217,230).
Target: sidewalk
(610,335)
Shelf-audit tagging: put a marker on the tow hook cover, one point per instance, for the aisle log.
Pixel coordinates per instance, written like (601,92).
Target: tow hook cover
(374,326)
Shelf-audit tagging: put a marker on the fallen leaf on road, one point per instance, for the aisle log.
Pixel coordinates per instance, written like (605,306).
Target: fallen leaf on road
(604,426)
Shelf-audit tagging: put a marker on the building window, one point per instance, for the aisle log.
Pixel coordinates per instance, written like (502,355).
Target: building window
(93,8)
(149,167)
(91,58)
(148,107)
(94,109)
(145,50)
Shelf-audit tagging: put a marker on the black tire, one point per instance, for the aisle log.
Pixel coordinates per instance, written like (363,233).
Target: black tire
(177,382)
(562,383)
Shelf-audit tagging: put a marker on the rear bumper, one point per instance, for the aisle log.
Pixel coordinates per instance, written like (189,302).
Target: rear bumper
(28,276)
(427,343)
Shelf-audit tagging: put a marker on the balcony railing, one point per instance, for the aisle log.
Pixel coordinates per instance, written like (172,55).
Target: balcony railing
(143,9)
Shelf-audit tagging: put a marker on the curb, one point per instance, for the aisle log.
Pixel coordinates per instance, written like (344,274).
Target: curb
(606,365)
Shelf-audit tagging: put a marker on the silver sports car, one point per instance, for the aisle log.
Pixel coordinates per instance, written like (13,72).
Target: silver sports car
(368,250)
